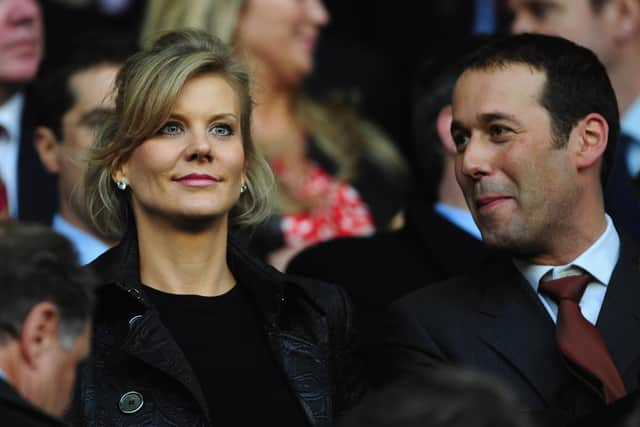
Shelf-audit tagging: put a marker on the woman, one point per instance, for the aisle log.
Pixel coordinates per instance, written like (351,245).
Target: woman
(190,330)
(337,174)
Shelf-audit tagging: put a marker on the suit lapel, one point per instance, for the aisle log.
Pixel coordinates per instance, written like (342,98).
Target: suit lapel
(515,324)
(619,319)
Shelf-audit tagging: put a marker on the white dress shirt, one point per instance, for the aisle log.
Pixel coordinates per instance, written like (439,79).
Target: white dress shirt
(10,116)
(459,217)
(599,260)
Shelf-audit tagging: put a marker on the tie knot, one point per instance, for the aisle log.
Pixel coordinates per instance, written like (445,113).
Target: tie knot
(570,287)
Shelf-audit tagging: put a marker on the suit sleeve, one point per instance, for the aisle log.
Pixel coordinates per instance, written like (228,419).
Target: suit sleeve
(407,346)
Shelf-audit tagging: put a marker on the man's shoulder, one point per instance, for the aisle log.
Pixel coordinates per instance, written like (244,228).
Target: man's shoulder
(459,291)
(15,411)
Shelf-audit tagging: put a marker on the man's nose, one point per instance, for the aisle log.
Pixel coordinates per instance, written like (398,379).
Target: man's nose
(475,160)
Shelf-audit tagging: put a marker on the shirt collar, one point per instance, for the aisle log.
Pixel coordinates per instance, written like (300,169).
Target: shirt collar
(599,259)
(10,113)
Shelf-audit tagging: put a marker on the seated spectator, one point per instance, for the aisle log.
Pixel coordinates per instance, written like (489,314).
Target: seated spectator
(73,98)
(29,191)
(446,398)
(46,301)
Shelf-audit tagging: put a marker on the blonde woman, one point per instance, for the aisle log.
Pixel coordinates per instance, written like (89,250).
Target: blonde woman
(337,175)
(189,329)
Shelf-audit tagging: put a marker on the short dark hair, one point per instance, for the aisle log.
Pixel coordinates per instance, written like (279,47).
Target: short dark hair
(432,90)
(597,5)
(52,88)
(37,265)
(446,397)
(576,82)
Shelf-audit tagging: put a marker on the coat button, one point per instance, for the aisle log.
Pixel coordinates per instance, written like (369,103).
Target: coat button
(130,402)
(134,320)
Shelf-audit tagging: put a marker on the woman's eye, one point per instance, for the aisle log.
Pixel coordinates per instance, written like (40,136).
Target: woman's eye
(221,130)
(170,128)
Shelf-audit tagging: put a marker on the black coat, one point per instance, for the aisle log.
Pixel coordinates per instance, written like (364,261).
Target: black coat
(494,322)
(17,412)
(307,324)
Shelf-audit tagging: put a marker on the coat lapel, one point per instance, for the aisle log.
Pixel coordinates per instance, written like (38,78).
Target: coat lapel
(619,319)
(515,324)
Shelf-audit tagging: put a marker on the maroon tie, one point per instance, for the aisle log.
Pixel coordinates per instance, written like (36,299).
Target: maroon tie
(4,201)
(578,339)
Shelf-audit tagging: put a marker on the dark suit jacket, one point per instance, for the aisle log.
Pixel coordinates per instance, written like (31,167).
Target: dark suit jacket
(37,189)
(494,322)
(15,411)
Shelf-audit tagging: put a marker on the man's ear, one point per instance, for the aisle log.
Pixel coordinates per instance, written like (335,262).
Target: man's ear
(590,140)
(48,147)
(443,123)
(39,332)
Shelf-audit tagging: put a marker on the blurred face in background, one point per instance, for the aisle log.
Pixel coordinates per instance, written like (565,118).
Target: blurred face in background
(280,36)
(575,20)
(21,40)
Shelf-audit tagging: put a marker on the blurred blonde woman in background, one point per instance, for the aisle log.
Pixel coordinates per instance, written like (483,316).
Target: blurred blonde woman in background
(337,175)
(189,329)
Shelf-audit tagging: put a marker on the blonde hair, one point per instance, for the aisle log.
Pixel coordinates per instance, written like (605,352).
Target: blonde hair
(146,89)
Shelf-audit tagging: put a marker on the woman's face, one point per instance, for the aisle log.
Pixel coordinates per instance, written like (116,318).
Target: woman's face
(194,166)
(281,35)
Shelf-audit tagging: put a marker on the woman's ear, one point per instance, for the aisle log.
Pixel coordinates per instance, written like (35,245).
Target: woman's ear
(590,140)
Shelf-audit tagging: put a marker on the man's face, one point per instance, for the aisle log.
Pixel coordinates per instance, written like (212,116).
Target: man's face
(91,89)
(519,186)
(21,41)
(57,375)
(575,20)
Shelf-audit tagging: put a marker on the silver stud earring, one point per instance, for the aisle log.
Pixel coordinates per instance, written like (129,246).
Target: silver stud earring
(243,188)
(122,185)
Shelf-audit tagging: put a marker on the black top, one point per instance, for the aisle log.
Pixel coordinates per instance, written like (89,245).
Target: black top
(232,361)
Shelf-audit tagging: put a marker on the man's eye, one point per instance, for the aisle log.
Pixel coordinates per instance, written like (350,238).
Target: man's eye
(170,128)
(496,130)
(461,140)
(221,130)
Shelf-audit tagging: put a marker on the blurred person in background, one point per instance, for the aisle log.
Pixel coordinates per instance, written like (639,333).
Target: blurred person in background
(190,329)
(46,303)
(337,175)
(448,397)
(27,191)
(74,97)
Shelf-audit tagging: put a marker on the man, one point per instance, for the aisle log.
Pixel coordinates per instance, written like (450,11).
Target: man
(438,227)
(535,122)
(46,300)
(74,99)
(29,190)
(611,29)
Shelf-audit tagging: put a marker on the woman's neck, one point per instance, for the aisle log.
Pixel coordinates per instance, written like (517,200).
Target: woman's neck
(180,261)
